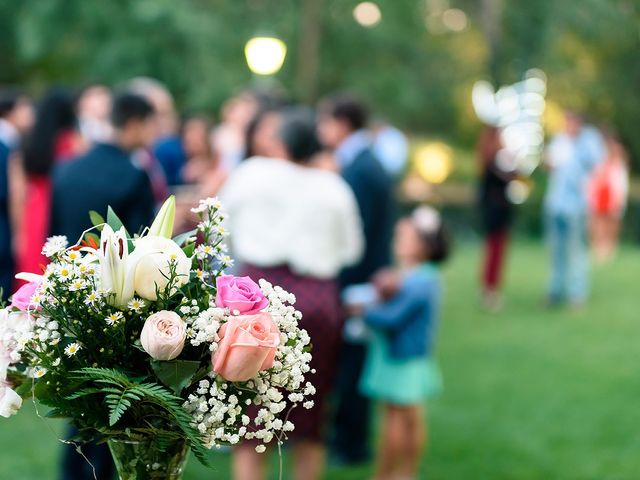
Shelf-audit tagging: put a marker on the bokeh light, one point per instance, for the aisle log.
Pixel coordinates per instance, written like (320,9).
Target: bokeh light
(433,161)
(367,14)
(518,191)
(454,19)
(265,55)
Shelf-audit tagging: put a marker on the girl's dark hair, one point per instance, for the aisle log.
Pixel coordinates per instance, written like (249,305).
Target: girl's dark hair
(298,133)
(438,244)
(55,114)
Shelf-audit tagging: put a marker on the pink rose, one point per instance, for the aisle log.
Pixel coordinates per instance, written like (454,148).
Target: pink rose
(163,335)
(22,298)
(241,294)
(247,346)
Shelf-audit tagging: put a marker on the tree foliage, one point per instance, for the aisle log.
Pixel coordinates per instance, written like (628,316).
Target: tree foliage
(418,78)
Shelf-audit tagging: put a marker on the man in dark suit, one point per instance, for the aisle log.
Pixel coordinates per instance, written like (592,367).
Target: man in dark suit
(105,176)
(342,123)
(16,117)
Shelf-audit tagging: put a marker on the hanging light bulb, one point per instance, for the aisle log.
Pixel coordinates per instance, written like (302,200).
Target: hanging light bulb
(265,55)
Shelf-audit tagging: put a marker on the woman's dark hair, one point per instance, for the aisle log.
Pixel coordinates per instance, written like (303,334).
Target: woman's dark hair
(252,128)
(129,106)
(298,133)
(54,115)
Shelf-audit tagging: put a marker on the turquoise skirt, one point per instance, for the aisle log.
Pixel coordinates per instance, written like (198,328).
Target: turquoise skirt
(399,382)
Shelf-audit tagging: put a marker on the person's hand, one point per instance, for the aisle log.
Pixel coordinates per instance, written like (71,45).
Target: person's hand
(387,283)
(354,310)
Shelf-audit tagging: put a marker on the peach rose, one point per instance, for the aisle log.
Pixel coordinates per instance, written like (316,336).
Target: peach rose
(247,346)
(163,335)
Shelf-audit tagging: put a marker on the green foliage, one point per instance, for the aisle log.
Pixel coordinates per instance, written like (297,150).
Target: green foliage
(96,219)
(417,77)
(155,412)
(176,374)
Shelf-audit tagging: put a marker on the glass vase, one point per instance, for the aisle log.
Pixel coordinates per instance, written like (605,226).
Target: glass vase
(148,460)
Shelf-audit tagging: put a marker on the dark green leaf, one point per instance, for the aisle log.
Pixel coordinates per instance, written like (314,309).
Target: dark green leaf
(175,374)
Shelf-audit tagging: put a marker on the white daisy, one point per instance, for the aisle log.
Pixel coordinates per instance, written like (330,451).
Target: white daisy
(54,246)
(77,285)
(91,299)
(71,349)
(201,275)
(114,318)
(225,260)
(73,256)
(136,304)
(64,273)
(39,372)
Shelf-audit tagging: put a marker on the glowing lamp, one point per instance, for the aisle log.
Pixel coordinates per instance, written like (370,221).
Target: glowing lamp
(433,162)
(265,55)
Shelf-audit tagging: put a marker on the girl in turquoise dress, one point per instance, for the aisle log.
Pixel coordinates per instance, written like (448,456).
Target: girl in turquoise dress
(399,369)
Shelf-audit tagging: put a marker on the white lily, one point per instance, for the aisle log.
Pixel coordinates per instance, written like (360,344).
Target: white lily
(162,226)
(149,266)
(112,255)
(10,401)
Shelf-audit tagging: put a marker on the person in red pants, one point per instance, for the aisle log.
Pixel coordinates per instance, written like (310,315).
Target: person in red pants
(496,213)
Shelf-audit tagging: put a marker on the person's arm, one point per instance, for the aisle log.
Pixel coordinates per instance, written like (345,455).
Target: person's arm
(141,205)
(351,233)
(17,195)
(400,309)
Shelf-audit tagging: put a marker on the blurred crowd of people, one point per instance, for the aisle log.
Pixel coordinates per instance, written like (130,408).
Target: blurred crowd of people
(310,197)
(585,201)
(311,203)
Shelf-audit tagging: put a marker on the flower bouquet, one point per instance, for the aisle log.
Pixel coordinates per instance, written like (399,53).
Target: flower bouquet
(145,343)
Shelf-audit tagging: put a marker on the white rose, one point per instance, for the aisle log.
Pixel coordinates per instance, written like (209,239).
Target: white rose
(163,335)
(10,401)
(150,261)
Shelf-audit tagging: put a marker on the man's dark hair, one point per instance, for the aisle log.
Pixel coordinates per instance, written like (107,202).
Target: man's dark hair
(129,106)
(347,107)
(9,97)
(298,133)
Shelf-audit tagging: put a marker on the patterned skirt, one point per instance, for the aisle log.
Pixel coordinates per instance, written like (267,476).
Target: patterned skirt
(318,300)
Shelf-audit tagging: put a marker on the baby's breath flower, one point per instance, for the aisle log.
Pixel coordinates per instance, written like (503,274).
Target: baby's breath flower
(71,349)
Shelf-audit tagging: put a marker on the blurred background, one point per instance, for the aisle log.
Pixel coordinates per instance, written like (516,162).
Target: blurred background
(530,392)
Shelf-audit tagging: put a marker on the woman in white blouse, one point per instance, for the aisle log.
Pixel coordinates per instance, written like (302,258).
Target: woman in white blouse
(296,226)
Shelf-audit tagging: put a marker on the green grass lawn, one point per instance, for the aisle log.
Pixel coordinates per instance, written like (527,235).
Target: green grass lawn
(530,393)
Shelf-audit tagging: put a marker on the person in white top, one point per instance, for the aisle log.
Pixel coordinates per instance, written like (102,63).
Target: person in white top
(298,227)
